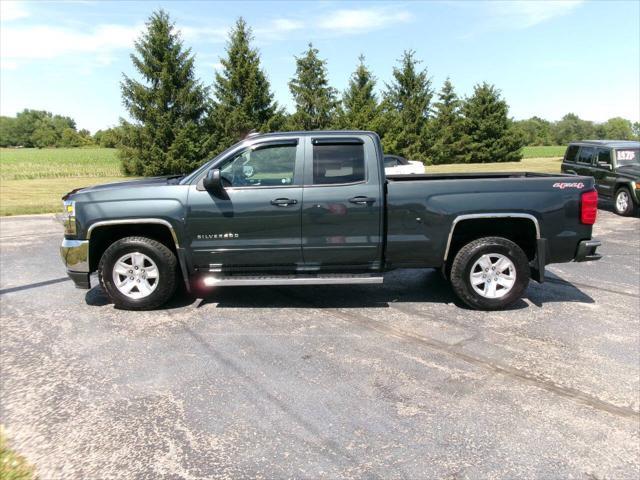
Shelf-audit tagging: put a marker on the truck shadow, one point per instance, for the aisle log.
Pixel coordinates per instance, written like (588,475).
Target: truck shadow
(407,286)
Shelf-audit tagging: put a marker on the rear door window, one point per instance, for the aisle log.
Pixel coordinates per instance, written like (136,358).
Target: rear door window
(604,156)
(342,163)
(571,154)
(586,155)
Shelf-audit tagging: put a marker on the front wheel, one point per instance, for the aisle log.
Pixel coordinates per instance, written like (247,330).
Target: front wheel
(490,273)
(623,203)
(138,273)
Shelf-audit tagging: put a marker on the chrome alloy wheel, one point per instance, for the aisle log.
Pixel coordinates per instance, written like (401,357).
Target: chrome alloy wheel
(493,275)
(622,201)
(135,275)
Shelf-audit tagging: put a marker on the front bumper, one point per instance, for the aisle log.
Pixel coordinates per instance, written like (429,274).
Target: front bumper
(75,256)
(587,251)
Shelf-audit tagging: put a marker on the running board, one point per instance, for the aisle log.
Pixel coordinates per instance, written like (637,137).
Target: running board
(247,280)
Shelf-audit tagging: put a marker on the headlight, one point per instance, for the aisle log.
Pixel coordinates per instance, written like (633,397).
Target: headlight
(69,217)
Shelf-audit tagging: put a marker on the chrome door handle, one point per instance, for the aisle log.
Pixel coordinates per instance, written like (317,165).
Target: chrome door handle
(360,200)
(283,202)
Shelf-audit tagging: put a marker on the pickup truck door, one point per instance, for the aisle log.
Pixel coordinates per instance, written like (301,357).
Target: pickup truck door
(257,226)
(342,204)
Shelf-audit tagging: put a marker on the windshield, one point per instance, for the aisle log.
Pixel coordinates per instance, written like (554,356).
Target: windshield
(628,156)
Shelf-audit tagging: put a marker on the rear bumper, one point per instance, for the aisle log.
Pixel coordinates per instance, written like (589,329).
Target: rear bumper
(587,251)
(75,256)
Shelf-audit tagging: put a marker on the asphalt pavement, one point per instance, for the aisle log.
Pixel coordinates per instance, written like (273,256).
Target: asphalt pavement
(391,381)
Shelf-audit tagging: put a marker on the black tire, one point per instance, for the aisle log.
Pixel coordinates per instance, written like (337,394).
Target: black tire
(465,260)
(630,209)
(163,257)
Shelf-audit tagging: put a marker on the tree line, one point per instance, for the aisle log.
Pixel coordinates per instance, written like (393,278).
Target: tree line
(177,121)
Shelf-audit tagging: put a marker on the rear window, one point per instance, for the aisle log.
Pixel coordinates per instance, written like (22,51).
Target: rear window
(586,154)
(571,154)
(628,156)
(338,164)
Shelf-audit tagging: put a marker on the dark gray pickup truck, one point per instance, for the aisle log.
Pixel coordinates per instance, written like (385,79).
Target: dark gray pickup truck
(304,208)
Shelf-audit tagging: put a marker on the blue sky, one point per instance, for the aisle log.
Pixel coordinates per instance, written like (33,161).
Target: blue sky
(548,58)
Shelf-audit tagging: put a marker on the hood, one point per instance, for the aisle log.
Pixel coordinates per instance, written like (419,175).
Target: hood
(143,182)
(632,171)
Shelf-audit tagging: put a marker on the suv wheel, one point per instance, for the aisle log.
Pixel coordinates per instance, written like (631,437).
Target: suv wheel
(623,202)
(490,273)
(138,273)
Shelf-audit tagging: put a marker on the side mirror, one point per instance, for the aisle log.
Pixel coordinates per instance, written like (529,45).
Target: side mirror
(213,182)
(605,165)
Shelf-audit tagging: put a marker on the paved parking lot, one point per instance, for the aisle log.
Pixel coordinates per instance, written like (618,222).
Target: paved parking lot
(392,381)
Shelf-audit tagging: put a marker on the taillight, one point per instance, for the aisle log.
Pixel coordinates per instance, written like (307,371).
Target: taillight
(589,207)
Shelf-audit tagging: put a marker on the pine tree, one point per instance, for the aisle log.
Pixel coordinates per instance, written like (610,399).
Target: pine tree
(315,100)
(492,137)
(243,99)
(448,142)
(168,107)
(407,103)
(360,109)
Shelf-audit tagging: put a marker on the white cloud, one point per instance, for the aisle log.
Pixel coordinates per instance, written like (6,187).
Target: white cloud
(212,34)
(363,20)
(21,44)
(12,10)
(524,14)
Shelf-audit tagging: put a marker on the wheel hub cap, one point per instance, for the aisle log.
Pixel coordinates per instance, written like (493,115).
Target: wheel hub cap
(622,201)
(493,275)
(135,275)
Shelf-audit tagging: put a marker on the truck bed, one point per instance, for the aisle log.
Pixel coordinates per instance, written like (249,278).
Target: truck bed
(470,176)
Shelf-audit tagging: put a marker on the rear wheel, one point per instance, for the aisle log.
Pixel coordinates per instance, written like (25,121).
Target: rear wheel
(138,273)
(490,273)
(623,202)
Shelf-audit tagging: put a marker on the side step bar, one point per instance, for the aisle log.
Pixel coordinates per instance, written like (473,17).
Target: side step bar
(247,280)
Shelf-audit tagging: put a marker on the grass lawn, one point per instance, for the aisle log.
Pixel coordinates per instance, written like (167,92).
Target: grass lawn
(33,180)
(12,465)
(544,151)
(541,165)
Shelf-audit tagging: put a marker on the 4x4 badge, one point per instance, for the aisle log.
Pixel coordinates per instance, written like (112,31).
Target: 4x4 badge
(563,185)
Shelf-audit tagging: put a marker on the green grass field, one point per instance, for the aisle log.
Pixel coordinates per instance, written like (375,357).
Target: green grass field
(33,181)
(544,151)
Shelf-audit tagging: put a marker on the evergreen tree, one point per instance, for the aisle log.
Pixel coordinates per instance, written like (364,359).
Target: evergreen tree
(491,133)
(168,107)
(243,100)
(407,109)
(448,142)
(360,109)
(315,100)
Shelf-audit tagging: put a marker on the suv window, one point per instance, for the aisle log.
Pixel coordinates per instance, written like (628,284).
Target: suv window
(571,154)
(261,165)
(586,154)
(604,155)
(628,157)
(338,164)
